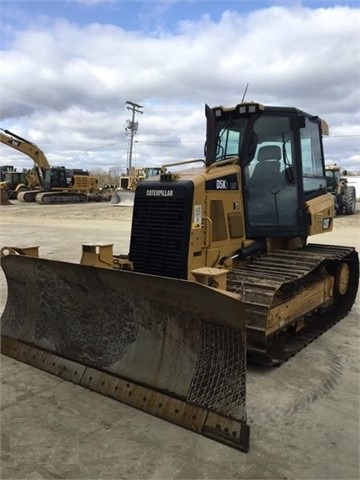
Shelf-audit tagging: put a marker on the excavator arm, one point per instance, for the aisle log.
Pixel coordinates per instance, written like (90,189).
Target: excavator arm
(33,179)
(26,147)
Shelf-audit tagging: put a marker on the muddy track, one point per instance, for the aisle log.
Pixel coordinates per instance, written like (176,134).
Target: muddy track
(276,277)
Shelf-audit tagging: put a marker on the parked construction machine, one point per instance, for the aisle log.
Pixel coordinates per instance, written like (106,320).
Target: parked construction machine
(63,185)
(46,184)
(41,164)
(125,194)
(219,268)
(5,169)
(344,195)
(15,182)
(4,194)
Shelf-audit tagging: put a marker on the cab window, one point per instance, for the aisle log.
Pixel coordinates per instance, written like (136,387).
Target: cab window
(311,155)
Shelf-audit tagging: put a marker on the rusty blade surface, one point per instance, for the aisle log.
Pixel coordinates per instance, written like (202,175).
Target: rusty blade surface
(232,432)
(174,336)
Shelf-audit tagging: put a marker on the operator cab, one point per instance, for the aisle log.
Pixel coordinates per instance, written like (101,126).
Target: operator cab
(333,178)
(281,157)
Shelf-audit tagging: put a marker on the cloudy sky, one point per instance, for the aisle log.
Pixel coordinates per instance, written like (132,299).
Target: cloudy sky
(69,67)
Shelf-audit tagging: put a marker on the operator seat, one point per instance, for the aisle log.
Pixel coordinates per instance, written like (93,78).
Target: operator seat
(272,197)
(267,170)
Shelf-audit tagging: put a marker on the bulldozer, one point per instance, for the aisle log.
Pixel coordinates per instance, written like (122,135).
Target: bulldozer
(219,272)
(344,195)
(125,194)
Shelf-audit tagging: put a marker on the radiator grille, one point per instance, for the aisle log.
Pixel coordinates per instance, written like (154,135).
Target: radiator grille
(160,230)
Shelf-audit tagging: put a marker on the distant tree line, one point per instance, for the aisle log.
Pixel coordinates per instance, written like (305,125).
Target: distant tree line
(104,178)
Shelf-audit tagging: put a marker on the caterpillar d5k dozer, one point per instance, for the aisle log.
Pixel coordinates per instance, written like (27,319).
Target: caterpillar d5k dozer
(249,210)
(237,224)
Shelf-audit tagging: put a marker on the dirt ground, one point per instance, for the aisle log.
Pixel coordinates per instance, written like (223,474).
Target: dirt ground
(304,416)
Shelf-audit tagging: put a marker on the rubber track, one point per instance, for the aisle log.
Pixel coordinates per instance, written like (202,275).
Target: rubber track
(280,275)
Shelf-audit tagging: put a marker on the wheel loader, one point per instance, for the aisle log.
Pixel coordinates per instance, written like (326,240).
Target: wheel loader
(11,182)
(15,182)
(219,272)
(344,195)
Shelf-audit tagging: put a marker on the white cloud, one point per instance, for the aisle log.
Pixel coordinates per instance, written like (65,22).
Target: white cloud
(65,86)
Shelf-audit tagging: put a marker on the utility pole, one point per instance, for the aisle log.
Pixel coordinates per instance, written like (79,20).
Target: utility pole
(133,127)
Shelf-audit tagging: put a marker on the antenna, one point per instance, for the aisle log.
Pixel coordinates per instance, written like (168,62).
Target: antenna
(243,98)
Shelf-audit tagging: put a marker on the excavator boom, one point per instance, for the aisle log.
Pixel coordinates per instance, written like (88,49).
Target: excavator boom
(46,184)
(26,147)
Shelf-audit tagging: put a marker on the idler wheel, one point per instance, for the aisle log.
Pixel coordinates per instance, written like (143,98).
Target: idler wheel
(342,279)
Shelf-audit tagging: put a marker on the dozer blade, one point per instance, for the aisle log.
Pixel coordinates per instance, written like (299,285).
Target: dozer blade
(115,199)
(173,348)
(4,197)
(123,198)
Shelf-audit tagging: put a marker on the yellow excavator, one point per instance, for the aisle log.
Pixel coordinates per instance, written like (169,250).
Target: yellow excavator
(46,184)
(219,272)
(13,182)
(41,164)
